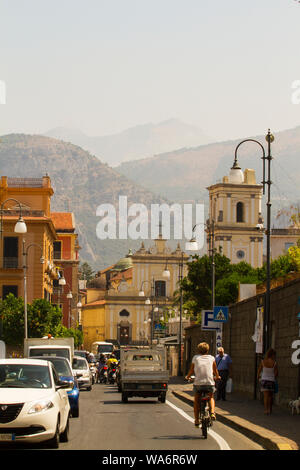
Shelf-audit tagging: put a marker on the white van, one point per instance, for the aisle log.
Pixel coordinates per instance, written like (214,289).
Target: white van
(102,347)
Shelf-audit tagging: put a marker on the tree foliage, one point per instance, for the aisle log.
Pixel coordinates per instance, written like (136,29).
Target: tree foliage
(43,319)
(197,285)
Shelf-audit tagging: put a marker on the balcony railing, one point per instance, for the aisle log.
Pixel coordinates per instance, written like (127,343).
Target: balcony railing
(10,263)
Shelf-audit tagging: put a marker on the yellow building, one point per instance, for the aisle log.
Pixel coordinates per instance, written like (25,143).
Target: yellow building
(30,197)
(116,310)
(235,208)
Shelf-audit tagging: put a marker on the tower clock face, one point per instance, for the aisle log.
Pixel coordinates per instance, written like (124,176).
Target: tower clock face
(240,254)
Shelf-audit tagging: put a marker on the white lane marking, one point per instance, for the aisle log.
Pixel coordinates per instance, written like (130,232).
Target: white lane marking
(220,441)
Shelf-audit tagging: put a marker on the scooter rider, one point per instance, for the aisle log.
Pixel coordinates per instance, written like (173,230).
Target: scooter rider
(101,364)
(112,364)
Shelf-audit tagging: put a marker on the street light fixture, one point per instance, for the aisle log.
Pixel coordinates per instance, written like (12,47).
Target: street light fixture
(269,138)
(192,245)
(20,226)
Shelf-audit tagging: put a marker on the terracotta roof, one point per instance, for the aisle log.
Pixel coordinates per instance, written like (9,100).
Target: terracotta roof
(123,275)
(63,221)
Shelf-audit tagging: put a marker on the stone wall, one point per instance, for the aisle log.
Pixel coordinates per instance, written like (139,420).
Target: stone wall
(238,342)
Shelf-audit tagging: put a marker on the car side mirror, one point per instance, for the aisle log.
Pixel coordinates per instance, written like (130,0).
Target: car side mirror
(62,384)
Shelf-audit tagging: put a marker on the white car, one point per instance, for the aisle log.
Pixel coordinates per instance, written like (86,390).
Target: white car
(34,405)
(81,370)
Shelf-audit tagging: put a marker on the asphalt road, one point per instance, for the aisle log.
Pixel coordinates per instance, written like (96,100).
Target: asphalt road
(143,424)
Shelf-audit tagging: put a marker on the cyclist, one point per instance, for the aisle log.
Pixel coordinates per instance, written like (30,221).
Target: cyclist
(204,369)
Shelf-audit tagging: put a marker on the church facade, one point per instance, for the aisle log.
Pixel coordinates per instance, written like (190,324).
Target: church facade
(132,299)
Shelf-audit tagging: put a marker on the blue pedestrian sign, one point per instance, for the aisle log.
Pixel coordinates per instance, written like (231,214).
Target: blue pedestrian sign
(221,314)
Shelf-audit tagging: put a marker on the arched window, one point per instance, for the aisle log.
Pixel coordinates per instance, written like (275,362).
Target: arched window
(124,313)
(240,212)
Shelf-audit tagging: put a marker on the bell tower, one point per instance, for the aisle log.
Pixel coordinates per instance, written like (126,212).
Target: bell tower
(235,208)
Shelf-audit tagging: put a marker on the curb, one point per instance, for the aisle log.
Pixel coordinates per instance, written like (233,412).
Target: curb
(269,440)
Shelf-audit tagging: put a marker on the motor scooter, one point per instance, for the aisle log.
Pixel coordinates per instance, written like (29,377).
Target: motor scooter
(103,375)
(112,375)
(93,370)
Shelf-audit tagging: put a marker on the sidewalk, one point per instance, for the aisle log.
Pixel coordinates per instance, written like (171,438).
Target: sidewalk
(278,431)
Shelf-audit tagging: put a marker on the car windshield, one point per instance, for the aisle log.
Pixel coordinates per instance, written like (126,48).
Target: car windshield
(60,352)
(62,367)
(80,353)
(24,376)
(105,348)
(79,364)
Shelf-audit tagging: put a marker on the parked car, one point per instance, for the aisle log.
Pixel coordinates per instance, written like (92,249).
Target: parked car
(81,353)
(34,403)
(82,372)
(64,369)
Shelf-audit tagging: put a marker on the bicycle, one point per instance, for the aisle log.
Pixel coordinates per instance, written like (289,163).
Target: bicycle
(204,407)
(205,412)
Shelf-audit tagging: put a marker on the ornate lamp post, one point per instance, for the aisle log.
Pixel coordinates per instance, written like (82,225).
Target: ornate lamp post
(268,182)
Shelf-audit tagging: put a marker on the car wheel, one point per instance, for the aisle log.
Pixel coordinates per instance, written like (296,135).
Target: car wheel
(124,397)
(162,397)
(54,442)
(89,388)
(64,437)
(75,413)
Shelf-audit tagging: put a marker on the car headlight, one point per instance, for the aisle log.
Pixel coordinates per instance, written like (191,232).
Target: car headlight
(42,405)
(86,374)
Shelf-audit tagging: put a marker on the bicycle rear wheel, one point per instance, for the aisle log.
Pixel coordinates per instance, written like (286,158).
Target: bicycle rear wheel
(203,420)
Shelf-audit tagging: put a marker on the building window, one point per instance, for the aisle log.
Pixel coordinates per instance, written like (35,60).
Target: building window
(288,245)
(56,250)
(240,212)
(9,290)
(10,252)
(124,313)
(160,288)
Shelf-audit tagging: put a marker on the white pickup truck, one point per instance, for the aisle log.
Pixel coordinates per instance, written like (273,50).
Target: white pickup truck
(143,374)
(63,347)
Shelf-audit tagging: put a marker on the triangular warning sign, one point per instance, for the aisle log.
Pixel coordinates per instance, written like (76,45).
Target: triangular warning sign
(220,316)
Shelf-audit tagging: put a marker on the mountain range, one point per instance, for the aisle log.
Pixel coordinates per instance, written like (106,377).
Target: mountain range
(136,142)
(184,175)
(80,182)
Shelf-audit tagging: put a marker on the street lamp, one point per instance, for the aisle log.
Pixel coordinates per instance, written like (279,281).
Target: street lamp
(149,302)
(25,267)
(269,138)
(70,297)
(166,274)
(20,226)
(192,245)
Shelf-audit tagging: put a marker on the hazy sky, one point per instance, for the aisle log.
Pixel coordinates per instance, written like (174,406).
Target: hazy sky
(106,65)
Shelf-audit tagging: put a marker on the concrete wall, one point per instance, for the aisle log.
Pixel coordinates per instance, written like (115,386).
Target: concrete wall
(238,342)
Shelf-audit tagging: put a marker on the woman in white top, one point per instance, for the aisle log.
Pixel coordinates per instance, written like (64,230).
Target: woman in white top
(204,368)
(269,371)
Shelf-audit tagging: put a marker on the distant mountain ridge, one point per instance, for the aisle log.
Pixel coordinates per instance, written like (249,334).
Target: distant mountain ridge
(80,182)
(184,175)
(136,142)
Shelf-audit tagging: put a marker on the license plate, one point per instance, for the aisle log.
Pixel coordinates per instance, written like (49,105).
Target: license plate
(7,437)
(144,387)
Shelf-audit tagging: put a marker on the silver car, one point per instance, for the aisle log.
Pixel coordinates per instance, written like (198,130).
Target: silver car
(82,372)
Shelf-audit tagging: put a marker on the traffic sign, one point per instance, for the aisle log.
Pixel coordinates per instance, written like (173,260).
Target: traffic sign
(208,322)
(221,314)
